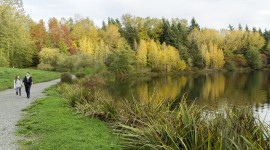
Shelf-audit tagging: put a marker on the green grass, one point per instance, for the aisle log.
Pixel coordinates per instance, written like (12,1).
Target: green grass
(50,124)
(7,75)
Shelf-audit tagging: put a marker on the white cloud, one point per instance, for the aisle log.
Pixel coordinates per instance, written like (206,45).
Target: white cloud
(209,13)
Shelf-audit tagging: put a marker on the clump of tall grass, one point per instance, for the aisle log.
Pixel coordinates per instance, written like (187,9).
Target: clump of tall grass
(188,127)
(158,125)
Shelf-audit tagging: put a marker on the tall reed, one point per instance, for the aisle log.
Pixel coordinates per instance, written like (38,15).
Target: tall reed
(160,125)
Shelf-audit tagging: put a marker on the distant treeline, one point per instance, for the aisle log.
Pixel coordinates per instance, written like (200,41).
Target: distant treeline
(127,43)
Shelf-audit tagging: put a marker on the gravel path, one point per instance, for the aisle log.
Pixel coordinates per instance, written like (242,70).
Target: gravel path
(10,112)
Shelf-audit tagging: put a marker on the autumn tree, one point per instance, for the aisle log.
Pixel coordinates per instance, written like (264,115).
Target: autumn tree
(141,54)
(212,55)
(39,35)
(111,36)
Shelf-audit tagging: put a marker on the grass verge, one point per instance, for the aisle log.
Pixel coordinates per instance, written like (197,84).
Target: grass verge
(50,124)
(7,76)
(160,124)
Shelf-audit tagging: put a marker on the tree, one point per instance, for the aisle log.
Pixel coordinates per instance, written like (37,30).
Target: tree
(193,25)
(84,27)
(15,40)
(240,27)
(86,46)
(254,59)
(205,55)
(217,56)
(121,61)
(3,61)
(39,35)
(231,28)
(152,55)
(166,35)
(234,40)
(111,36)
(54,32)
(212,55)
(141,54)
(129,30)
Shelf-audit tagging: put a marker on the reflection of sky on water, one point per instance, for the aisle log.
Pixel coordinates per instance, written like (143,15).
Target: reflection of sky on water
(263,110)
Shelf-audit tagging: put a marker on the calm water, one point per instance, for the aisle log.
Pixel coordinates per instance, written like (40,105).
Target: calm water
(212,91)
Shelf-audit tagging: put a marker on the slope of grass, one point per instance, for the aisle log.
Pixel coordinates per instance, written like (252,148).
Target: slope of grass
(7,76)
(49,124)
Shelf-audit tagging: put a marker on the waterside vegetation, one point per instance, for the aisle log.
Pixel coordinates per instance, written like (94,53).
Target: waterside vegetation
(160,124)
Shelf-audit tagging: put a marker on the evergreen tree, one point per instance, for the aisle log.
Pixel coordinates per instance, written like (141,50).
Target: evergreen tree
(246,28)
(240,27)
(193,25)
(231,28)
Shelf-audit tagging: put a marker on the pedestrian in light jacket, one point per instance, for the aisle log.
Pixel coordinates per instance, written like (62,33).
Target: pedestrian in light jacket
(18,85)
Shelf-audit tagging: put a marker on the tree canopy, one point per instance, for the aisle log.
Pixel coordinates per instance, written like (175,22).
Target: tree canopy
(159,44)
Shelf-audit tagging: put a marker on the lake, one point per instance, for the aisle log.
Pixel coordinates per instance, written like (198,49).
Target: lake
(210,90)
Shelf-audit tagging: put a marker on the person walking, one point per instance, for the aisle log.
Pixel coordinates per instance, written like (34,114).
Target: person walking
(27,83)
(18,85)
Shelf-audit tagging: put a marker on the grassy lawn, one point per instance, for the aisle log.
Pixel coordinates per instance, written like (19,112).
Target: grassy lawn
(50,124)
(7,76)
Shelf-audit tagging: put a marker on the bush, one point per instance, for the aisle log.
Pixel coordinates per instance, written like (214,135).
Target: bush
(229,66)
(66,77)
(240,60)
(49,57)
(43,66)
(80,75)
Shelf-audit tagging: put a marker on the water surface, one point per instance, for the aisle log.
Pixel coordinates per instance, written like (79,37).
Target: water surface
(209,90)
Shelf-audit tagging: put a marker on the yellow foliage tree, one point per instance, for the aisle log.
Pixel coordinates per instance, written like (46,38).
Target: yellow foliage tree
(212,55)
(111,36)
(86,45)
(153,51)
(141,54)
(205,54)
(164,58)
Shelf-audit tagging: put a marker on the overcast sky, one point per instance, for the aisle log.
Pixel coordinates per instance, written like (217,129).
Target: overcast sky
(208,13)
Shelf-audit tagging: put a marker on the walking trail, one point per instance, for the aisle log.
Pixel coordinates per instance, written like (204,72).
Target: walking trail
(10,112)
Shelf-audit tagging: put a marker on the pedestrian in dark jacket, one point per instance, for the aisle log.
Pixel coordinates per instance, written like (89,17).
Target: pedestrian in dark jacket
(27,84)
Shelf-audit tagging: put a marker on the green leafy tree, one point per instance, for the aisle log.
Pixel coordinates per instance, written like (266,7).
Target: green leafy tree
(129,30)
(254,59)
(121,62)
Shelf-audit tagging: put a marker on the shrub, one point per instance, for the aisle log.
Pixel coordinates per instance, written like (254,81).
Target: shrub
(66,77)
(49,56)
(229,66)
(240,60)
(80,75)
(43,66)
